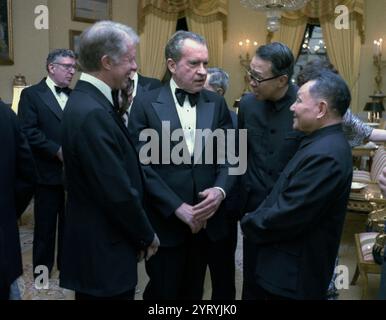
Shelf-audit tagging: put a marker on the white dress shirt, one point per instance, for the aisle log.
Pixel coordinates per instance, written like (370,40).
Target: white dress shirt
(99,84)
(187,116)
(60,97)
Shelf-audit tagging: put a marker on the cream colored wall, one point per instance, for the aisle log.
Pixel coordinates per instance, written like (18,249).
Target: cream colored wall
(375,29)
(242,24)
(31,46)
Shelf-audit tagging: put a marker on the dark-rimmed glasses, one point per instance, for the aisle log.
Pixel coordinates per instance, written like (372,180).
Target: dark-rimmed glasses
(66,66)
(254,78)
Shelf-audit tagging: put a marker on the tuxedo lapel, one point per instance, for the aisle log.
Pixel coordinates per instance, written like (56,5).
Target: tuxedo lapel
(204,114)
(49,99)
(204,120)
(166,109)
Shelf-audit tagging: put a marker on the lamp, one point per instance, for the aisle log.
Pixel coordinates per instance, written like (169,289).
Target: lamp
(379,64)
(273,9)
(374,109)
(245,60)
(19,84)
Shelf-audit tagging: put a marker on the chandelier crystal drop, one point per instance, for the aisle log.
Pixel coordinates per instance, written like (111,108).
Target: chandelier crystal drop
(273,9)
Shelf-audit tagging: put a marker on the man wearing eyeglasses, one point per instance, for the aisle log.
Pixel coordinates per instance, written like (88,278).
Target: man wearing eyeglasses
(40,112)
(271,139)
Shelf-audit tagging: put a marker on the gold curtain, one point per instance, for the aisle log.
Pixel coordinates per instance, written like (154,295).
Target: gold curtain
(326,10)
(343,46)
(211,28)
(159,26)
(291,32)
(157,22)
(203,8)
(345,56)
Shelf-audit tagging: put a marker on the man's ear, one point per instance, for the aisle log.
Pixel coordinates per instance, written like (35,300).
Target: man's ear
(171,64)
(220,91)
(51,67)
(106,62)
(283,80)
(323,108)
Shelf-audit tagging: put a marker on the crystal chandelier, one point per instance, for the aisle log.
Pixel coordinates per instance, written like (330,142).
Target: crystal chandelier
(273,9)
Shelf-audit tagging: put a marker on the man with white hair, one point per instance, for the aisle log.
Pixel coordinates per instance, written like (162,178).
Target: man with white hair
(107,230)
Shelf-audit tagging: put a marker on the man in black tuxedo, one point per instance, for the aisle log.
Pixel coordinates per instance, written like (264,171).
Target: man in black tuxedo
(40,113)
(296,230)
(272,141)
(107,230)
(17,182)
(185,194)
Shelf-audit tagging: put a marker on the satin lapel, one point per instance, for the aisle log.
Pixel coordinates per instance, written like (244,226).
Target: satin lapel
(49,100)
(166,109)
(204,120)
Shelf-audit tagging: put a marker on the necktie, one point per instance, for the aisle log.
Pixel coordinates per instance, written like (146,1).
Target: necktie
(66,90)
(181,94)
(114,95)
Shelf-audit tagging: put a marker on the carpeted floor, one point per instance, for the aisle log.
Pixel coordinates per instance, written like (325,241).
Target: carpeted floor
(354,223)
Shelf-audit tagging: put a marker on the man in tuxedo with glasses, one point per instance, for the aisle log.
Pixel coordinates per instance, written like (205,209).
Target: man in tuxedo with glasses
(40,112)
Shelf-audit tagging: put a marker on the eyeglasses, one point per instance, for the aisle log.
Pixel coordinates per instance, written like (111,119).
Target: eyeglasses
(66,66)
(259,80)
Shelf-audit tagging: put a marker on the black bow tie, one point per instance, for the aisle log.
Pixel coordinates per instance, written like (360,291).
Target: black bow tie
(181,94)
(66,90)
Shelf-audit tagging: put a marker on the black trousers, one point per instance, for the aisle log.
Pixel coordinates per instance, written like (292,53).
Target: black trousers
(249,266)
(128,295)
(222,265)
(4,291)
(48,213)
(178,273)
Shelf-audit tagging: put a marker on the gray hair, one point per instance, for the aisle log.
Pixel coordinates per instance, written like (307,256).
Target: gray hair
(173,49)
(55,54)
(104,38)
(218,79)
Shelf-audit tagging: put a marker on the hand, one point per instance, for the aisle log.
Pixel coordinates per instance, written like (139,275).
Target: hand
(382,182)
(59,154)
(152,249)
(207,207)
(185,213)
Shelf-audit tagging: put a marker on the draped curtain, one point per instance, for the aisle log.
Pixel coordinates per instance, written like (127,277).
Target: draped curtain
(343,46)
(157,21)
(211,28)
(291,33)
(159,26)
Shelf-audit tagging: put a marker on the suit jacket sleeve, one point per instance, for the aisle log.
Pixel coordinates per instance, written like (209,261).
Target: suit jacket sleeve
(299,206)
(29,121)
(107,172)
(163,197)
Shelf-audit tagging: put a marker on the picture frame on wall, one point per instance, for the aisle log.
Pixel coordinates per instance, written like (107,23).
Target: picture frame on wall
(91,10)
(6,41)
(74,36)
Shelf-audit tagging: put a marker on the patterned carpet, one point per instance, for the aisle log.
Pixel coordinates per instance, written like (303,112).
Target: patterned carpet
(26,281)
